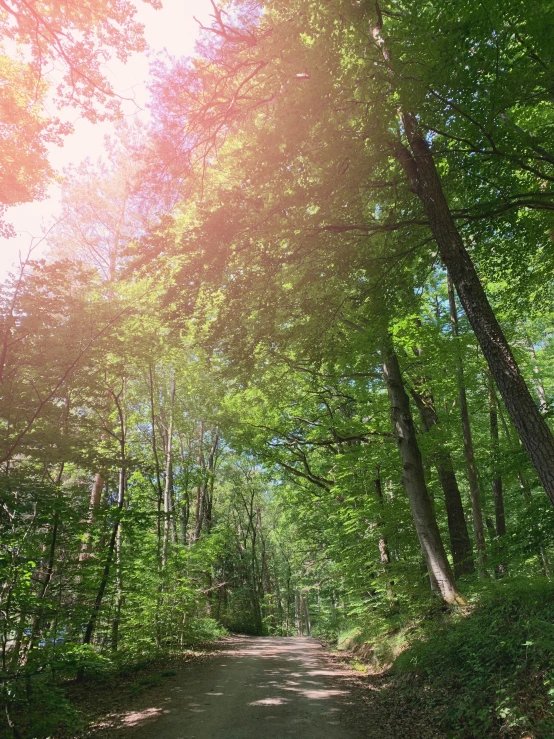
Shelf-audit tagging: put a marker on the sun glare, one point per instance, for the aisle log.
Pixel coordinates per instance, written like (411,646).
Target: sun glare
(173,30)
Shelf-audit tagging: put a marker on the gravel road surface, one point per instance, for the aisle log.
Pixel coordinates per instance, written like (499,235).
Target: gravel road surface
(253,688)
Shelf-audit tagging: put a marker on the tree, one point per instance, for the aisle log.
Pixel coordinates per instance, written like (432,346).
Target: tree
(55,50)
(107,205)
(77,38)
(255,77)
(196,410)
(26,134)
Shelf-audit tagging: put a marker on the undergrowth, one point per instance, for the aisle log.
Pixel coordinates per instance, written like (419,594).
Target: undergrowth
(484,671)
(43,707)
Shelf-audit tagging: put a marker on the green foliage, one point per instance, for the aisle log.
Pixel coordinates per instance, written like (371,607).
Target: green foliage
(226,388)
(490,670)
(39,710)
(205,630)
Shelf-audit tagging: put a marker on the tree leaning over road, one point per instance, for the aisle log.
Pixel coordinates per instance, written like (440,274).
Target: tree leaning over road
(245,78)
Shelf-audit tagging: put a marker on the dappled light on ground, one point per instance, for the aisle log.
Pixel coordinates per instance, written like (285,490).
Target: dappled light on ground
(132,718)
(289,684)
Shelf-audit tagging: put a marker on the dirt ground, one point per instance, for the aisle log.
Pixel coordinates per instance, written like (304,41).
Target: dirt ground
(265,688)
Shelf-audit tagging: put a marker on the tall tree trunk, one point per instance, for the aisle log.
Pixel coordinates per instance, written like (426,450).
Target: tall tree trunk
(46,579)
(15,651)
(473,478)
(298,614)
(156,463)
(118,591)
(460,543)
(205,490)
(383,544)
(526,491)
(199,517)
(265,575)
(168,489)
(94,505)
(413,478)
(498,494)
(462,551)
(184,501)
(159,503)
(538,383)
(115,530)
(306,614)
(107,566)
(212,458)
(419,166)
(185,514)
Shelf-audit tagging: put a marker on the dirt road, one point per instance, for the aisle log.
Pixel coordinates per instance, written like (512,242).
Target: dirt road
(252,688)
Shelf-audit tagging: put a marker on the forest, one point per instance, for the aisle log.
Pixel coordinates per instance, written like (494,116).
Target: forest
(287,365)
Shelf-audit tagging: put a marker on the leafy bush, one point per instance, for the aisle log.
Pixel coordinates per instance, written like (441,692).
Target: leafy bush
(349,638)
(68,659)
(39,711)
(205,630)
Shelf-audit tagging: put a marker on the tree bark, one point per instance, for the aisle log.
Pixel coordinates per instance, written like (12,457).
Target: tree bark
(306,614)
(460,543)
(497,489)
(413,478)
(209,495)
(539,385)
(41,595)
(298,614)
(95,498)
(156,464)
(536,436)
(107,566)
(526,492)
(168,488)
(384,553)
(473,478)
(115,530)
(204,503)
(184,494)
(199,517)
(118,591)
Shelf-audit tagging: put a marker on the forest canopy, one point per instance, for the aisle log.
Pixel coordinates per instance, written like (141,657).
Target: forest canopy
(287,367)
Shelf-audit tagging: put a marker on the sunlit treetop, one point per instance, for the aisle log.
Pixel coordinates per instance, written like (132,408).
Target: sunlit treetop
(24,136)
(55,52)
(76,39)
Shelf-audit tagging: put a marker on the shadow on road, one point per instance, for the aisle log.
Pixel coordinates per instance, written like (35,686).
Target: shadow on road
(249,688)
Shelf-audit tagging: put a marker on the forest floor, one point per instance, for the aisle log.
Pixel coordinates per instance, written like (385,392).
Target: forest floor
(258,688)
